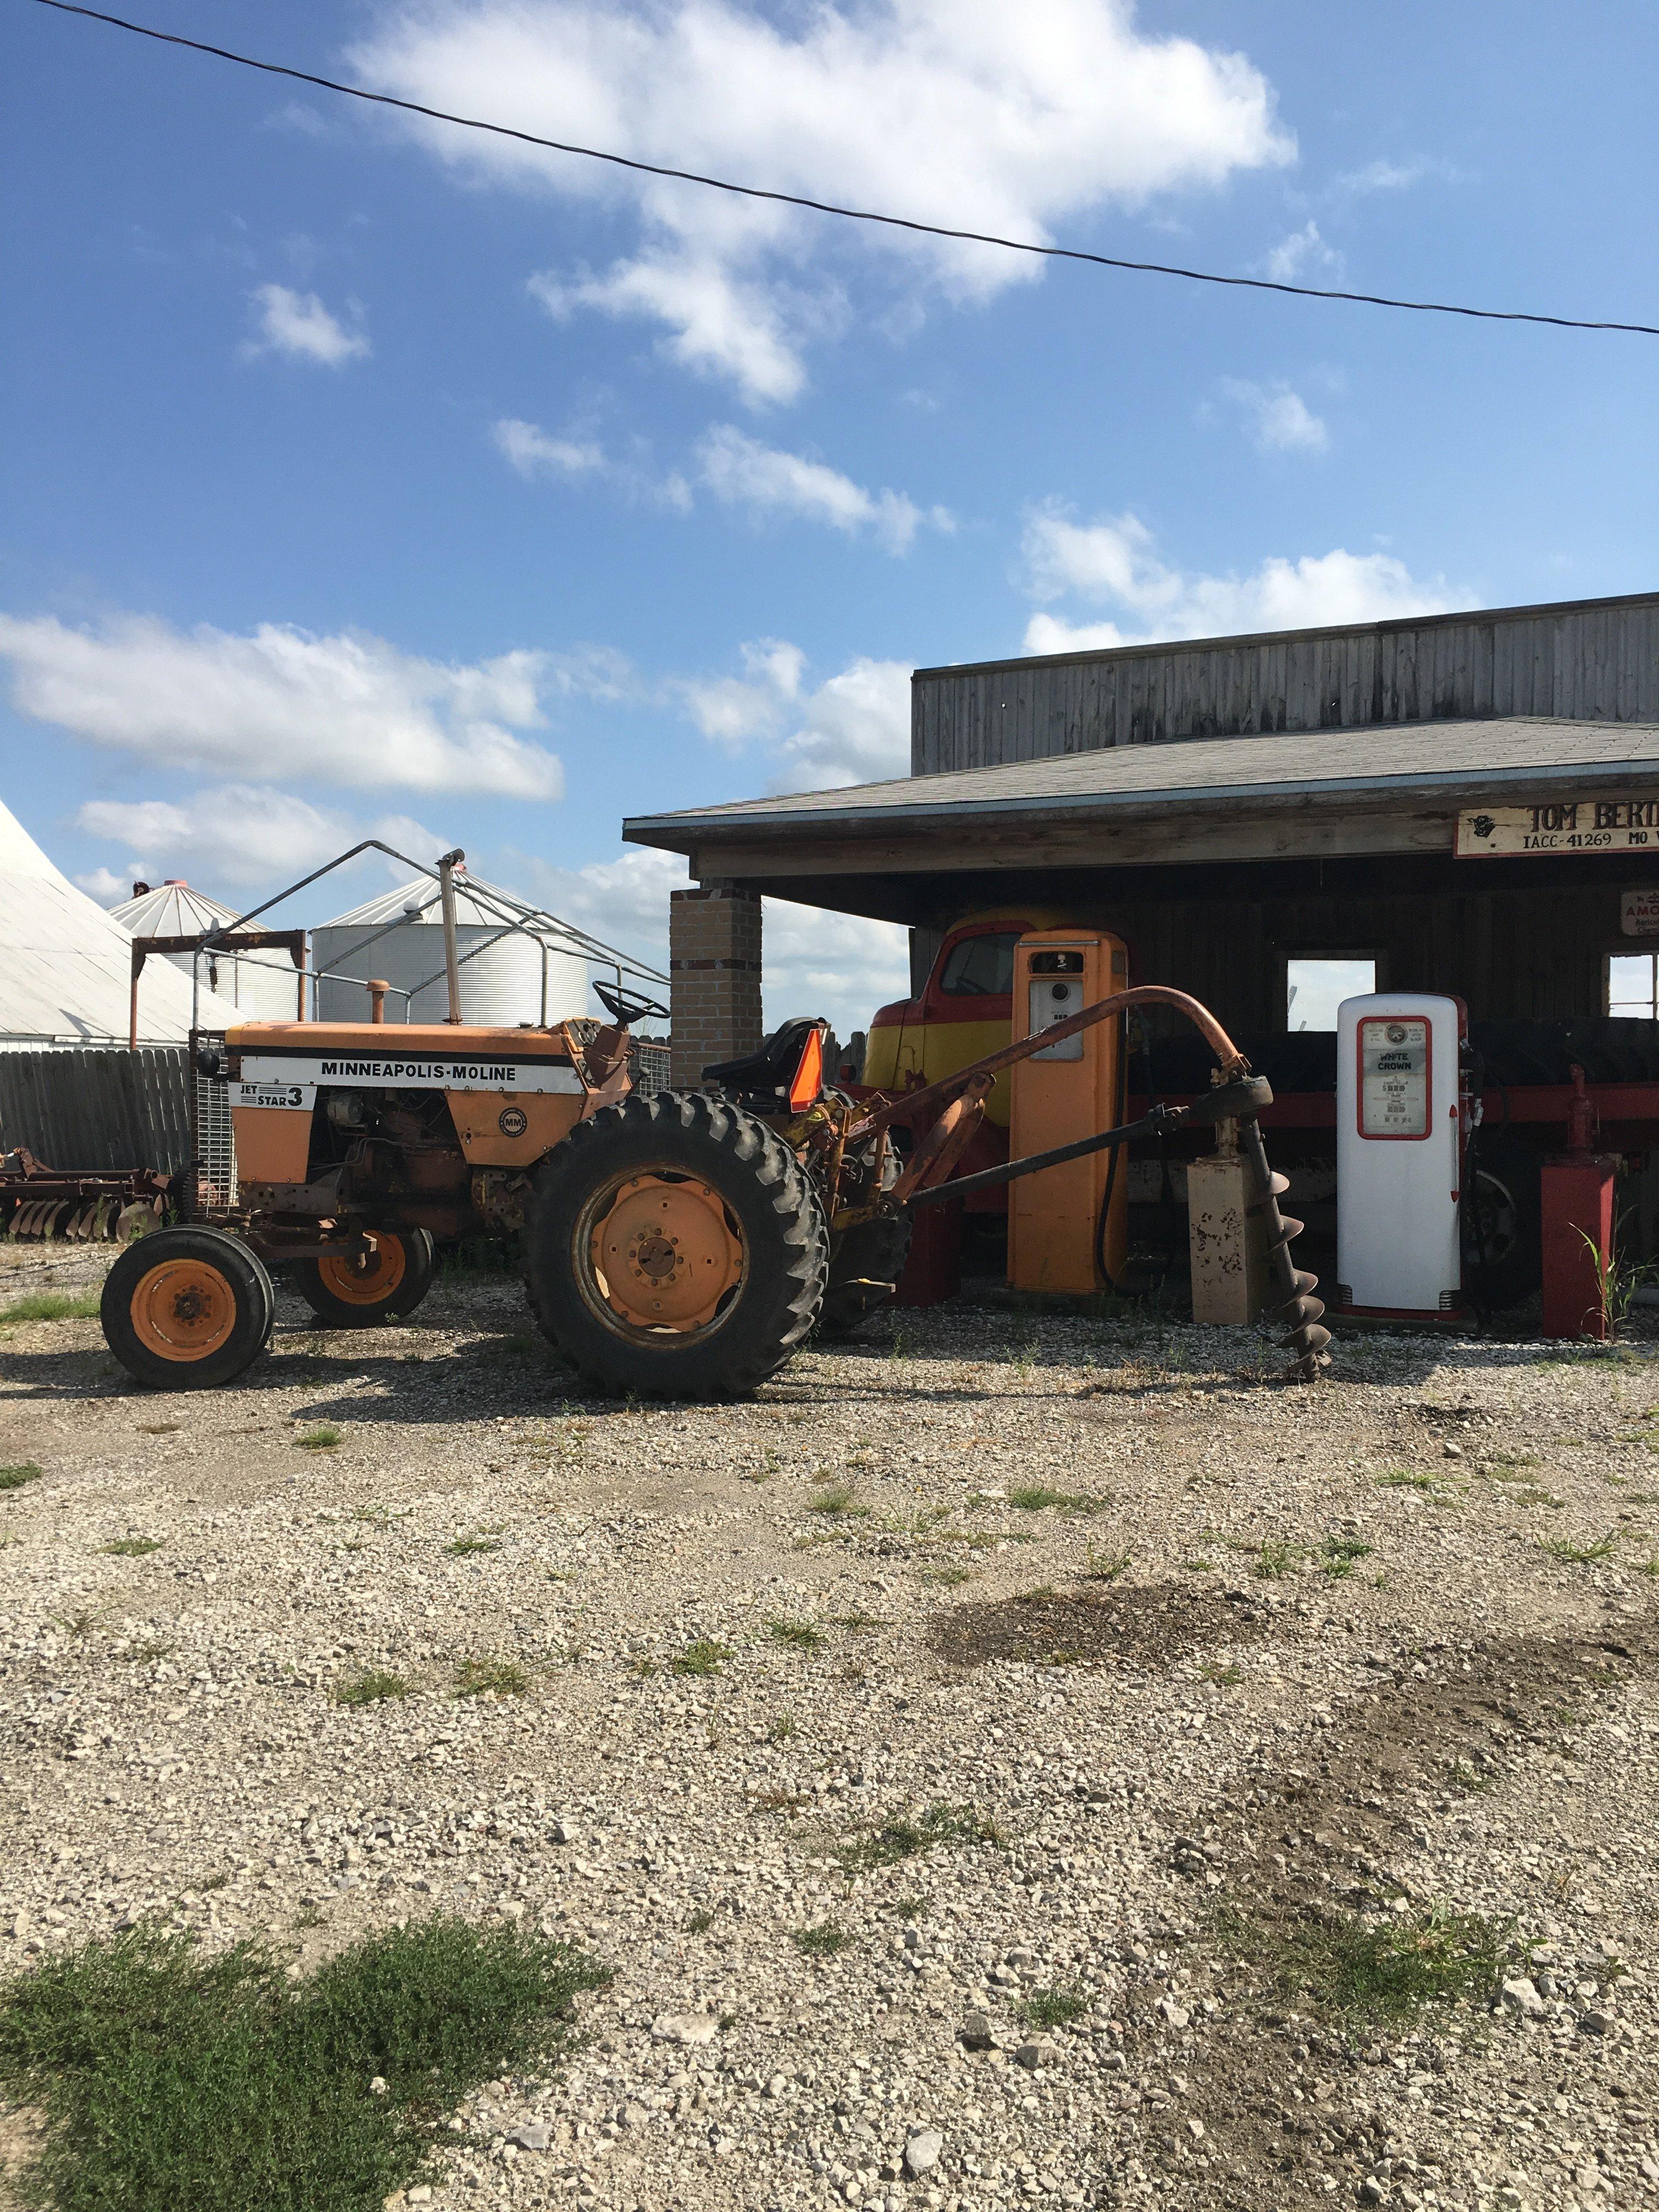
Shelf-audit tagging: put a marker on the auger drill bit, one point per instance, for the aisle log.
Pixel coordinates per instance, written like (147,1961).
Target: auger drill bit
(1295,1303)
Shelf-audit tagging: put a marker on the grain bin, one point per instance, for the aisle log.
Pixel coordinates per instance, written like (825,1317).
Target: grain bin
(526,975)
(263,986)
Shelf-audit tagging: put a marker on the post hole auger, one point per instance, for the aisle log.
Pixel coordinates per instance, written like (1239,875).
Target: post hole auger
(1239,1096)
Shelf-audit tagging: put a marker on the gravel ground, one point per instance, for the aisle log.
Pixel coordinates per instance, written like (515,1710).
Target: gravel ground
(1268,1654)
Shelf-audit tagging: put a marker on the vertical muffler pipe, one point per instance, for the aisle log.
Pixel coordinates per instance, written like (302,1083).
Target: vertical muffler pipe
(446,867)
(1293,1289)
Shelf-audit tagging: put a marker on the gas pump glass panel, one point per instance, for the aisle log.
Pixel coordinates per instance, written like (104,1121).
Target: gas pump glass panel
(1399,1138)
(1396,1063)
(1055,986)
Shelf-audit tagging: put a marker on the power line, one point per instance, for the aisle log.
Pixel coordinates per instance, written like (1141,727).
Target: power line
(828,207)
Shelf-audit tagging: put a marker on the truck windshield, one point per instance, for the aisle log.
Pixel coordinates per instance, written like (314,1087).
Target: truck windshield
(979,967)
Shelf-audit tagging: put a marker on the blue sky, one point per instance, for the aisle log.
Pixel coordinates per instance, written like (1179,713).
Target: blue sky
(360,473)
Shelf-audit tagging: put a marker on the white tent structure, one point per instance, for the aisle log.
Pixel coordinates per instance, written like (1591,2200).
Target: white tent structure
(66,965)
(534,972)
(263,985)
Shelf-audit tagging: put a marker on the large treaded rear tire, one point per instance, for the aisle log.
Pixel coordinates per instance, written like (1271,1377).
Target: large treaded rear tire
(708,1143)
(186,1309)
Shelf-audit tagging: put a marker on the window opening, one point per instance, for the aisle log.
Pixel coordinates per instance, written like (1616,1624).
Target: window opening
(979,967)
(1633,986)
(1314,989)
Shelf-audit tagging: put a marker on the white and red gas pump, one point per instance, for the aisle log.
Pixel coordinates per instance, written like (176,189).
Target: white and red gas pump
(1401,1127)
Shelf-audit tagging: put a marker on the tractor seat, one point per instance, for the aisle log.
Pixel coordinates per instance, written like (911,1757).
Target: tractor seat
(768,1073)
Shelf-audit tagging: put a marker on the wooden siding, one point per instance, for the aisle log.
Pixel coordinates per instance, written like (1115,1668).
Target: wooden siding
(1593,661)
(88,1107)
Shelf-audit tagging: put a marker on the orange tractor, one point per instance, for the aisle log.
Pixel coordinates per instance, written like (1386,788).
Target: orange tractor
(678,1243)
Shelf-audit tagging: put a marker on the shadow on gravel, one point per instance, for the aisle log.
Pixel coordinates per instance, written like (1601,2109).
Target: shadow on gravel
(1144,1626)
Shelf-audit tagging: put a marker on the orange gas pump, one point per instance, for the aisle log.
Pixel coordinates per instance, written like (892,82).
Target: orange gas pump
(1060,1093)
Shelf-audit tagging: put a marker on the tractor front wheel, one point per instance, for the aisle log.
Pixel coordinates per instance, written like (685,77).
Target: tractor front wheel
(185,1309)
(675,1248)
(365,1290)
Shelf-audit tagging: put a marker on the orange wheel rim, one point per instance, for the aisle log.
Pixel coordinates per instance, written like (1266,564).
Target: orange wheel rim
(183,1309)
(665,1253)
(367,1281)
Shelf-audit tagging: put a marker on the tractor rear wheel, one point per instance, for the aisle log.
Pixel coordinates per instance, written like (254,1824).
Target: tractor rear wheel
(185,1309)
(390,1280)
(675,1248)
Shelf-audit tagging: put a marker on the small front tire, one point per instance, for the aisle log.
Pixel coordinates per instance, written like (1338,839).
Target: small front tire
(392,1280)
(187,1309)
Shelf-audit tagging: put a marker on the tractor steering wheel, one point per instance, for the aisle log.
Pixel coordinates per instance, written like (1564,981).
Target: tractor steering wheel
(626,1008)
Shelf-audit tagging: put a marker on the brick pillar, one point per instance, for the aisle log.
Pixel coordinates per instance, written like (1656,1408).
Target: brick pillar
(714,972)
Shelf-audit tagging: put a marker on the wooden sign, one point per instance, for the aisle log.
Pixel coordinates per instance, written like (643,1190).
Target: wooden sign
(1564,825)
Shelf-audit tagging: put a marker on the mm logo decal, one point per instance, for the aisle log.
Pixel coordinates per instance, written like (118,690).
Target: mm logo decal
(512,1121)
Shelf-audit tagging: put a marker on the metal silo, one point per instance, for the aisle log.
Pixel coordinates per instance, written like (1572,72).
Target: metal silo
(263,986)
(511,970)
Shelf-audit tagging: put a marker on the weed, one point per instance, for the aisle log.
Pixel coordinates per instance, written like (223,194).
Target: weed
(167,2077)
(782,1800)
(1214,1672)
(1052,2007)
(899,1348)
(77,1625)
(145,1655)
(699,1923)
(1391,1971)
(858,1621)
(780,1728)
(53,1305)
(1579,1555)
(898,1838)
(309,1916)
(1340,1554)
(705,1656)
(911,1908)
(1649,1566)
(13,1478)
(1274,1560)
(323,1437)
(645,1669)
(1036,1496)
(491,1678)
(131,1548)
(799,1635)
(948,1576)
(1408,1478)
(369,1687)
(1104,1567)
(465,1547)
(822,1942)
(837,1497)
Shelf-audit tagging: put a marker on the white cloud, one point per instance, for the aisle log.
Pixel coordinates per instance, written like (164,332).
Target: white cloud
(298,324)
(743,472)
(965,112)
(105,886)
(1386,176)
(346,709)
(1303,257)
(239,834)
(533,453)
(1280,421)
(852,728)
(817,963)
(1114,561)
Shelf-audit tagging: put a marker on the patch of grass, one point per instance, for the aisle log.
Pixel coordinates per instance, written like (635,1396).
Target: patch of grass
(1340,1554)
(699,1923)
(899,1838)
(704,1657)
(1408,1478)
(491,1678)
(857,1622)
(13,1478)
(838,1497)
(1215,1672)
(323,1437)
(1037,1498)
(53,1305)
(369,1687)
(131,1548)
(780,1728)
(1392,1969)
(465,1547)
(1579,1555)
(146,1654)
(168,2078)
(823,1941)
(1275,1560)
(948,1576)
(1101,1566)
(1052,2007)
(799,1635)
